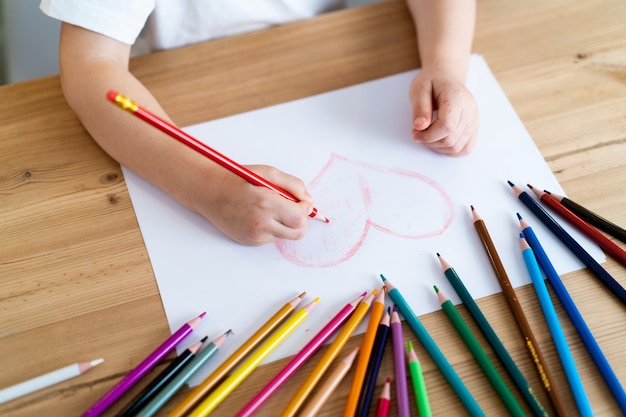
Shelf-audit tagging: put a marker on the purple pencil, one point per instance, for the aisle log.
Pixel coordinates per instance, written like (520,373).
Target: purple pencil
(397,343)
(133,376)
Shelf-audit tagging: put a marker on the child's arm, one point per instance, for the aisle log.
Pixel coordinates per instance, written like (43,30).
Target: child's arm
(445,30)
(91,65)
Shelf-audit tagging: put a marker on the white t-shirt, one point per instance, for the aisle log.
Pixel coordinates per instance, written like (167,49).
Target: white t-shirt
(173,23)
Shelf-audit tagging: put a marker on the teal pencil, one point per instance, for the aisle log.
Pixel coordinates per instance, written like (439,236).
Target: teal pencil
(177,383)
(569,367)
(516,375)
(507,397)
(433,350)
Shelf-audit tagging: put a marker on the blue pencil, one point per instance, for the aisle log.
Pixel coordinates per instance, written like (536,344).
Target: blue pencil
(371,374)
(577,319)
(429,344)
(580,396)
(570,242)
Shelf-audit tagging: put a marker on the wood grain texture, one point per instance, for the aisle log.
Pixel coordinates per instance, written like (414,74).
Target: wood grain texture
(76,279)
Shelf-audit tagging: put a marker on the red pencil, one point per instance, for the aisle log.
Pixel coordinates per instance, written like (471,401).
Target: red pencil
(604,242)
(382,408)
(185,138)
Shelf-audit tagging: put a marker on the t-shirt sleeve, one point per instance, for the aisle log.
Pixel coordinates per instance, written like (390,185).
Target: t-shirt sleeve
(118,19)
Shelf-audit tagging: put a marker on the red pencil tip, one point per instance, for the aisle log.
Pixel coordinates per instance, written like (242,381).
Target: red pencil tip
(388,380)
(111,95)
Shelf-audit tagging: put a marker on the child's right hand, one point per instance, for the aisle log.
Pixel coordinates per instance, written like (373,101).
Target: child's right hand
(253,215)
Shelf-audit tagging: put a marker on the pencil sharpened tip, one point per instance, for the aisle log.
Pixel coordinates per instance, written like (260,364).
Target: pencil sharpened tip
(383,277)
(510,183)
(519,216)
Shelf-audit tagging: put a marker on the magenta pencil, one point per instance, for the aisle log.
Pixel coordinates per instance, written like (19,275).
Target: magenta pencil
(397,343)
(301,357)
(140,370)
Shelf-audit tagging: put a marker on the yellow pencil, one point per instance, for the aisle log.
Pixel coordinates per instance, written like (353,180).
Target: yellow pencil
(198,393)
(366,349)
(250,364)
(331,353)
(327,388)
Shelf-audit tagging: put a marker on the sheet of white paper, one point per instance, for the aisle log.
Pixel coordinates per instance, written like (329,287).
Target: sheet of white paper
(393,203)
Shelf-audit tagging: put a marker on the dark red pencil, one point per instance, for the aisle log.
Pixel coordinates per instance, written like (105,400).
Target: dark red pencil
(604,242)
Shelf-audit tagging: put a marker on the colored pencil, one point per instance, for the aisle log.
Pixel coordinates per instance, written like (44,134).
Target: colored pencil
(378,350)
(329,356)
(529,339)
(199,392)
(575,317)
(179,380)
(330,384)
(161,380)
(591,217)
(46,380)
(202,148)
(384,400)
(220,393)
(570,242)
(143,368)
(507,397)
(418,382)
(567,360)
(399,365)
(494,341)
(300,358)
(605,243)
(433,350)
(352,402)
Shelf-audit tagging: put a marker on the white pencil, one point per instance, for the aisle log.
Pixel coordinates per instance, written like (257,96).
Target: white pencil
(45,380)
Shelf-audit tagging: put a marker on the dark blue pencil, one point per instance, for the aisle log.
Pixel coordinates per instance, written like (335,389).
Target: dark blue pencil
(371,374)
(577,319)
(570,242)
(160,381)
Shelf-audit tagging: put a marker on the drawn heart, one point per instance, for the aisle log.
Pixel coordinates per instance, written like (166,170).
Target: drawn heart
(357,196)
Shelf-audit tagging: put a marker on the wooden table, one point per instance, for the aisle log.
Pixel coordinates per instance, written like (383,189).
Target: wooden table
(76,281)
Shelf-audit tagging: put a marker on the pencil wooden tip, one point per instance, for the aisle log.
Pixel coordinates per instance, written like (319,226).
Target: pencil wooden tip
(472,207)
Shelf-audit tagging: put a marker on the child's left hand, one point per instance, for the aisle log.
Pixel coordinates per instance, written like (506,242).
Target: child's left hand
(454,129)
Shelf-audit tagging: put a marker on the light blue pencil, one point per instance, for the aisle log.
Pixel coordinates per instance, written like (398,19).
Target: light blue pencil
(177,383)
(569,367)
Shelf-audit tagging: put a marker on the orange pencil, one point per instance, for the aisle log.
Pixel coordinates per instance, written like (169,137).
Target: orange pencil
(200,147)
(366,349)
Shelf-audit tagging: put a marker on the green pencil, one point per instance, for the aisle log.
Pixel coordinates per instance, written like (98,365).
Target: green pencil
(419,385)
(433,350)
(481,357)
(494,341)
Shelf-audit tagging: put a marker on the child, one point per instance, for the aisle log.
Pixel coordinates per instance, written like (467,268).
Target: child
(95,48)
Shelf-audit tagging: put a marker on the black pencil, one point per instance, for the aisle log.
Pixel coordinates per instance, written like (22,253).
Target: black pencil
(160,381)
(591,217)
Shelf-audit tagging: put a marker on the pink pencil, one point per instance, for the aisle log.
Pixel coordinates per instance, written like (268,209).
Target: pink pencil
(305,353)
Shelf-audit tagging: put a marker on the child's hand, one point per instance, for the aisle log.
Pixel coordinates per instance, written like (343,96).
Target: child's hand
(454,129)
(254,215)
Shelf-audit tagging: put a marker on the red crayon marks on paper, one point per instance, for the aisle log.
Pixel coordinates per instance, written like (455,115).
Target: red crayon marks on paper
(361,196)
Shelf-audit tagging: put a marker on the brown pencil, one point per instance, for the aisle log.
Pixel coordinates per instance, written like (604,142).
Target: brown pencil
(509,294)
